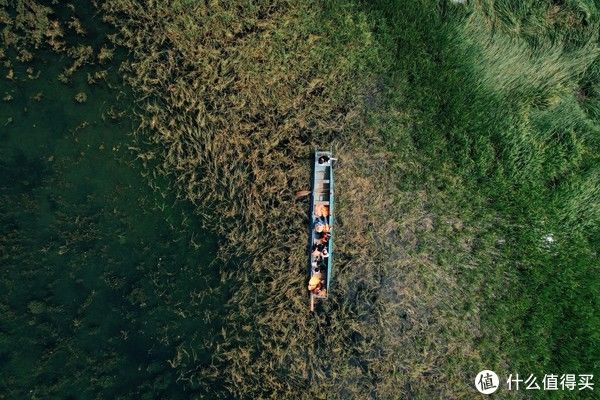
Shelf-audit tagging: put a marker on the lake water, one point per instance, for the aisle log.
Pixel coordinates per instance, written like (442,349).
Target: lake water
(104,281)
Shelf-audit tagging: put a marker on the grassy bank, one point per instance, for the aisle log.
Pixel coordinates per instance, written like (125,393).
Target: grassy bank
(501,110)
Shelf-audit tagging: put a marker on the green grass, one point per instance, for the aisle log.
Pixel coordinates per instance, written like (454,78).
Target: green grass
(500,103)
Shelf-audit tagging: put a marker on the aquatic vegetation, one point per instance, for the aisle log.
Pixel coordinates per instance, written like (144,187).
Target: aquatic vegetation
(81,97)
(76,25)
(105,55)
(98,287)
(97,76)
(81,55)
(27,27)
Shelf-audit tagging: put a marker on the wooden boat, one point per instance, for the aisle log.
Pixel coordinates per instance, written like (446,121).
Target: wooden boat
(321,228)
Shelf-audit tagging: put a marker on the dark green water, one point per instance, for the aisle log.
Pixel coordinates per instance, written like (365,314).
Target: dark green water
(102,279)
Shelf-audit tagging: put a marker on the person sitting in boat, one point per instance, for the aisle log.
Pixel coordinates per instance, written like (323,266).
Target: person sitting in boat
(325,253)
(317,248)
(321,226)
(321,210)
(316,253)
(315,285)
(322,220)
(323,159)
(321,240)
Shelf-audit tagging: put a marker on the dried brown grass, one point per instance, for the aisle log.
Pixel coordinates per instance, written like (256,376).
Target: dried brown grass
(236,98)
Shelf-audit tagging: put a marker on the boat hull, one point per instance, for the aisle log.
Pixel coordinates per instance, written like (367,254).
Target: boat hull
(320,257)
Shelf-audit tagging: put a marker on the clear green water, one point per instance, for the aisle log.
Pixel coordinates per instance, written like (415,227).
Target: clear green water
(102,278)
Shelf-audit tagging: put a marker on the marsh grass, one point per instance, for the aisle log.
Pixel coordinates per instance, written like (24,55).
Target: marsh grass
(238,98)
(503,125)
(463,141)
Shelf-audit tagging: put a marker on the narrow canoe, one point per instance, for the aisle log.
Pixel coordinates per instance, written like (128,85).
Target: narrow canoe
(321,228)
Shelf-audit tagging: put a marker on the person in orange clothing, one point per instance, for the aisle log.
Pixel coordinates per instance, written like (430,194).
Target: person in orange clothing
(315,285)
(321,210)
